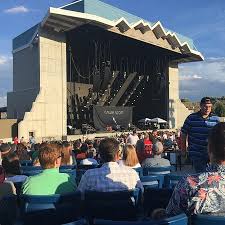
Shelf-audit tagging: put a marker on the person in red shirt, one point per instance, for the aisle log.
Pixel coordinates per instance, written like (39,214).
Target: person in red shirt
(16,140)
(144,148)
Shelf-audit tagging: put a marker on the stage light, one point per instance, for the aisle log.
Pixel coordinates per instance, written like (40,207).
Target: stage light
(147,78)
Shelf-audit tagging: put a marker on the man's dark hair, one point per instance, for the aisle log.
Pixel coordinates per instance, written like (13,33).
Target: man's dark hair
(11,164)
(5,147)
(217,142)
(76,144)
(205,100)
(108,148)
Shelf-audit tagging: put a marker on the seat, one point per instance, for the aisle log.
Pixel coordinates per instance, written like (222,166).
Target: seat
(8,209)
(30,170)
(154,181)
(208,220)
(77,222)
(67,167)
(171,180)
(175,220)
(158,170)
(155,198)
(118,205)
(51,209)
(26,162)
(139,170)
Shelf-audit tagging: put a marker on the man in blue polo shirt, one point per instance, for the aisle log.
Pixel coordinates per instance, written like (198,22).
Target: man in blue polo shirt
(195,132)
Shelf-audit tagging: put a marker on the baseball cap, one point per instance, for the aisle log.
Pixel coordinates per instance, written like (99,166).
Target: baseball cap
(206,100)
(5,148)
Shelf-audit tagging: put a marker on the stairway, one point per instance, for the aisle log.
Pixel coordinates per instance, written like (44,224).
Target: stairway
(122,90)
(134,89)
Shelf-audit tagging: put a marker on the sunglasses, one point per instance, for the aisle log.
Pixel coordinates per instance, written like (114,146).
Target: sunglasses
(61,155)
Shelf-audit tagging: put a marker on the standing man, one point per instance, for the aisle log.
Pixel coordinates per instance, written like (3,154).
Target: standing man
(195,132)
(132,138)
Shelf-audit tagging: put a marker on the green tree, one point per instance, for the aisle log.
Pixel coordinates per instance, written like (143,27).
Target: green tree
(219,109)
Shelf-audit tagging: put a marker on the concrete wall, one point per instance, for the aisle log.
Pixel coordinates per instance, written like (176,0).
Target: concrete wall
(48,116)
(177,110)
(26,82)
(8,128)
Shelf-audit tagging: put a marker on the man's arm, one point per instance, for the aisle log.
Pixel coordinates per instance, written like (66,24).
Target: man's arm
(183,142)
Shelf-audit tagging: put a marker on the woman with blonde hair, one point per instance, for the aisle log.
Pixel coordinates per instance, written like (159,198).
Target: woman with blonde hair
(130,157)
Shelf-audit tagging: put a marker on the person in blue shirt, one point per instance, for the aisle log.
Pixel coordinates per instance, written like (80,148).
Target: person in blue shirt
(195,132)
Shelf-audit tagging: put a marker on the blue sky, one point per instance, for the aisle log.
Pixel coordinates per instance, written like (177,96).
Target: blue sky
(202,20)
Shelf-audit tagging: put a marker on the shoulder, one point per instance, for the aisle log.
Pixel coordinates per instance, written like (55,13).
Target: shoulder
(194,116)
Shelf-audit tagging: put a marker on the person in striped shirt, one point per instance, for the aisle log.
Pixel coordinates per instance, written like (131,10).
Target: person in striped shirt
(195,133)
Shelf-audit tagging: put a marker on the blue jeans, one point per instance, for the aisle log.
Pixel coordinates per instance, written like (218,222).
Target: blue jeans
(200,165)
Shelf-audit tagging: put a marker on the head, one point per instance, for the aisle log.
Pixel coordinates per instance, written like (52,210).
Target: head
(146,136)
(134,132)
(5,149)
(157,148)
(66,150)
(11,164)
(155,133)
(130,156)
(50,156)
(205,106)
(77,144)
(216,144)
(89,143)
(22,152)
(109,150)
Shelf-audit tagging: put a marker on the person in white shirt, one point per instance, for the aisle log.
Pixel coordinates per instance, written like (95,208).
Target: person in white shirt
(132,138)
(110,176)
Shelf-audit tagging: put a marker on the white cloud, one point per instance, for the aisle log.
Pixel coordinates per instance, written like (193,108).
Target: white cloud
(3,101)
(17,9)
(205,78)
(3,60)
(190,77)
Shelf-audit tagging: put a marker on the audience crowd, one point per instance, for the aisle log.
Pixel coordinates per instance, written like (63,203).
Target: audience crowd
(110,165)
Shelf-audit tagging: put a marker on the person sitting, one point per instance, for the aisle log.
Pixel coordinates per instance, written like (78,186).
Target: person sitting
(110,176)
(8,206)
(157,160)
(22,152)
(5,150)
(91,150)
(203,193)
(11,166)
(50,181)
(89,161)
(67,158)
(144,148)
(130,157)
(83,152)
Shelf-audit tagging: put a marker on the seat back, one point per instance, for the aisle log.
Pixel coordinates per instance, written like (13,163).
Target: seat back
(154,181)
(26,162)
(8,209)
(171,180)
(139,170)
(158,170)
(155,198)
(176,220)
(51,209)
(208,220)
(120,205)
